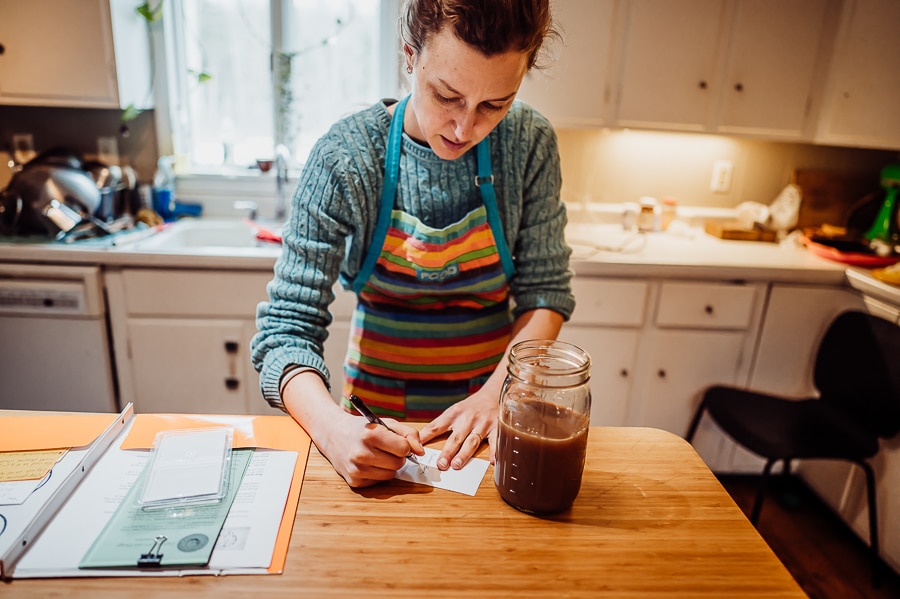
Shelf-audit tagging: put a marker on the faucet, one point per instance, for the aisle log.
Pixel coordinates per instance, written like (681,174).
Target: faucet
(282,157)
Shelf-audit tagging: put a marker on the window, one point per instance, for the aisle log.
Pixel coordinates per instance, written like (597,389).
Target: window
(246,75)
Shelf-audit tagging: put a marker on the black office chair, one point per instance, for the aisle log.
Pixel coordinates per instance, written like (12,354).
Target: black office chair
(857,375)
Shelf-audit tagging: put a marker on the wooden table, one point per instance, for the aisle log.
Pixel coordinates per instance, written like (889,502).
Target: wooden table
(651,521)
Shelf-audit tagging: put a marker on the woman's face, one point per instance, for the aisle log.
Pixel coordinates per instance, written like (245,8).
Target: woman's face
(458,94)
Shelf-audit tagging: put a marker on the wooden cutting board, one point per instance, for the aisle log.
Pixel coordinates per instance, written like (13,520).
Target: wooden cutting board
(827,195)
(730,230)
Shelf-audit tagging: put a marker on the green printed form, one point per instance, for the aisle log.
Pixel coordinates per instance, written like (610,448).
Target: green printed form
(173,536)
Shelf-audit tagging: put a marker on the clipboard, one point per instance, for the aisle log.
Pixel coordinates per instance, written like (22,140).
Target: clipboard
(279,433)
(16,545)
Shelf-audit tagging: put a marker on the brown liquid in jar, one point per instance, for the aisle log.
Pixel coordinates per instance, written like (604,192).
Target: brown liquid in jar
(540,456)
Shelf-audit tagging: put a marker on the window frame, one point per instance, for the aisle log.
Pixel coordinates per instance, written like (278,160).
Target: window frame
(219,189)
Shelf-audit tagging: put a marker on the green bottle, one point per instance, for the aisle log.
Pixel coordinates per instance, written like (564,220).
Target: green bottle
(886,228)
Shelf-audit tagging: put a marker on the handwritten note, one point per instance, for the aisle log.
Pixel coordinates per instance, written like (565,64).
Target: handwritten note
(27,465)
(466,480)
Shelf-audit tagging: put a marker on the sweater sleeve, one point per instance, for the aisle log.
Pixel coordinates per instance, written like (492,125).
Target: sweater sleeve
(539,248)
(292,324)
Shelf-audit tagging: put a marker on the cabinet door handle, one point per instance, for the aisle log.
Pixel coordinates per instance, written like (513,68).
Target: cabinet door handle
(232,383)
(661,373)
(702,85)
(708,309)
(2,48)
(231,347)
(624,373)
(738,87)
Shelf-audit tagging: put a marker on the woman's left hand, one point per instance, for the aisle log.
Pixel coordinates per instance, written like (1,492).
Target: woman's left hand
(469,422)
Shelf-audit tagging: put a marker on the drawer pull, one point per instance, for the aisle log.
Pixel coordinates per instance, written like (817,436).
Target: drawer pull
(232,383)
(739,87)
(624,373)
(708,309)
(702,85)
(661,373)
(231,347)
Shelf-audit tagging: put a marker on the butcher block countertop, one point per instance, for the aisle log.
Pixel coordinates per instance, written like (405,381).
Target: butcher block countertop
(651,521)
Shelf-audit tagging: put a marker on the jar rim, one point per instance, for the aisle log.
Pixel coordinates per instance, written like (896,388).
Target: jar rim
(523,355)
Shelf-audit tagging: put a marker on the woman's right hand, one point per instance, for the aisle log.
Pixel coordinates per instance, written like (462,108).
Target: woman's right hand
(363,454)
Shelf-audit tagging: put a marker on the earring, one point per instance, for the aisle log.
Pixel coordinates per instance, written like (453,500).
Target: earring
(409,69)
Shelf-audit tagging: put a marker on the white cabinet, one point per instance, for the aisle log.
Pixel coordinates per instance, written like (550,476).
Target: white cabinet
(182,339)
(741,67)
(574,89)
(703,333)
(655,345)
(863,88)
(79,53)
(607,323)
(668,74)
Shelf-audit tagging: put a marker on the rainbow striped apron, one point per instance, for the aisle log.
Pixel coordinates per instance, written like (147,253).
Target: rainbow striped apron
(432,318)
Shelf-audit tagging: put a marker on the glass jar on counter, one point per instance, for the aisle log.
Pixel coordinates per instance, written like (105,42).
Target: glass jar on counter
(648,217)
(544,419)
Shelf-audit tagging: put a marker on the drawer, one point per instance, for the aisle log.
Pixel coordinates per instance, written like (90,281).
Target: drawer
(706,305)
(208,294)
(611,302)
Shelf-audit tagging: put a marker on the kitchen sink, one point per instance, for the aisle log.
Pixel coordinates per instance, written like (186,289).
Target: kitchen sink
(198,234)
(206,236)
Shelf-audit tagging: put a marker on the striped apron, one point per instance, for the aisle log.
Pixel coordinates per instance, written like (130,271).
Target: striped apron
(432,318)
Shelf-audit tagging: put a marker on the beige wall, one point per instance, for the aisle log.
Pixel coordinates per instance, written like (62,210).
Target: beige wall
(621,166)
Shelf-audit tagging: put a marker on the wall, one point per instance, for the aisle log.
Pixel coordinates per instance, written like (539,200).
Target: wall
(78,130)
(605,165)
(621,166)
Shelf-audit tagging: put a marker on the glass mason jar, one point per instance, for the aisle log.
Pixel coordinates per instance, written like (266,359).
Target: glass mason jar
(545,408)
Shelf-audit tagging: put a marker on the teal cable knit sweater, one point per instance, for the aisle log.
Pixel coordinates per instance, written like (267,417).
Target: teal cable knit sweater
(334,210)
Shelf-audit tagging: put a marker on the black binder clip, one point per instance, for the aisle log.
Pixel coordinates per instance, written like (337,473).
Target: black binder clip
(150,558)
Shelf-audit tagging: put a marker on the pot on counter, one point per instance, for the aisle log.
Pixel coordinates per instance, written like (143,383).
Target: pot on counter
(52,195)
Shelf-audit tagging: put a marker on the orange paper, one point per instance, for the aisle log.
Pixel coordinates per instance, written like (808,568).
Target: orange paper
(51,431)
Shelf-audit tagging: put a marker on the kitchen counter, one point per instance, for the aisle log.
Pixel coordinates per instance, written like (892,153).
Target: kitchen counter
(863,281)
(599,249)
(651,521)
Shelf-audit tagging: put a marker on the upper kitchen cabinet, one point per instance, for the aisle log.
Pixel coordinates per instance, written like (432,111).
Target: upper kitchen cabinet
(746,67)
(78,53)
(863,88)
(574,89)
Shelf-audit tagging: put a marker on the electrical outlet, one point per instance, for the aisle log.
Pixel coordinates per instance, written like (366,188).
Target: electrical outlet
(721,176)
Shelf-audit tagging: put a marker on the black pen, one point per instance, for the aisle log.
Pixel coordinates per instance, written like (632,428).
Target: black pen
(363,409)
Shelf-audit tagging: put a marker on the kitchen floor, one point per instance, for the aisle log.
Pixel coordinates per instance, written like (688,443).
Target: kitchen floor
(825,557)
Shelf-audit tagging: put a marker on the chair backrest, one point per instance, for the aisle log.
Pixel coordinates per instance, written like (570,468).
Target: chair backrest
(857,371)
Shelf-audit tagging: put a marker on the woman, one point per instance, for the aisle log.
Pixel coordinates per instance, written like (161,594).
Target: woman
(442,213)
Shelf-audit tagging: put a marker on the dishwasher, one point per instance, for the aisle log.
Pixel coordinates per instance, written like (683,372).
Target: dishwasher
(54,339)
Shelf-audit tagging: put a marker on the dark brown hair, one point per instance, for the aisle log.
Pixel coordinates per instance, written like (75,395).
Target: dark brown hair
(491,26)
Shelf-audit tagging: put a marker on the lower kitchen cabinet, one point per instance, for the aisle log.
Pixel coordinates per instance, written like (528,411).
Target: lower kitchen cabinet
(196,365)
(607,322)
(181,339)
(655,345)
(703,333)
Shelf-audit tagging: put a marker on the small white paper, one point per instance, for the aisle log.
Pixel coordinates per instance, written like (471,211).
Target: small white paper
(466,480)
